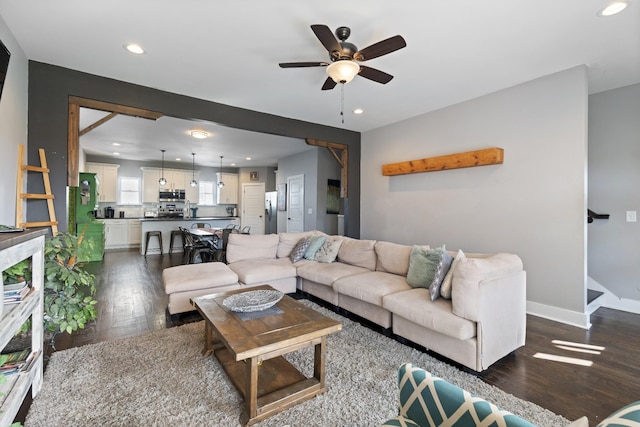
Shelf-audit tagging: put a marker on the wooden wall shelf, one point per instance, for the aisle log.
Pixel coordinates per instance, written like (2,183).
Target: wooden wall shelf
(488,156)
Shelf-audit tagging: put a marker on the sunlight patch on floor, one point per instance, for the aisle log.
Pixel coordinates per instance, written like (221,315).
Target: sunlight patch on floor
(563,359)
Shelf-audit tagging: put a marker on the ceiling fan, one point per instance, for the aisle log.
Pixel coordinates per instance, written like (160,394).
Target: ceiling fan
(346,58)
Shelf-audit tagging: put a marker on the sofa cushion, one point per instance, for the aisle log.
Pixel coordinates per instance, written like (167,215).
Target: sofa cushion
(416,306)
(371,286)
(360,253)
(251,246)
(329,250)
(315,244)
(392,257)
(190,277)
(297,253)
(262,270)
(287,241)
(327,273)
(471,272)
(445,288)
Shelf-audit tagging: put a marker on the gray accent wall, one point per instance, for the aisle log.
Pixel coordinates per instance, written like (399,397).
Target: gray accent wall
(13,124)
(50,87)
(614,189)
(533,205)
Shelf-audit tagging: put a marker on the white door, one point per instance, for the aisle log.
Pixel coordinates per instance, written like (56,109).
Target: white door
(295,204)
(253,207)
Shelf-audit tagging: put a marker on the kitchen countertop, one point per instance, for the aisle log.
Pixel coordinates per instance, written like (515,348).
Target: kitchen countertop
(197,219)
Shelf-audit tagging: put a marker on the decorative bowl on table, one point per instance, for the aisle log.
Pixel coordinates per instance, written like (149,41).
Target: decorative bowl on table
(257,300)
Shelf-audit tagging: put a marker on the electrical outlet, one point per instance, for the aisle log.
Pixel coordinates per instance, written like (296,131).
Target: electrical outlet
(631,216)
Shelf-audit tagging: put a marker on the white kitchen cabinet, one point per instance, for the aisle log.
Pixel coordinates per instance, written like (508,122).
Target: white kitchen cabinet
(13,249)
(192,194)
(227,195)
(116,233)
(135,232)
(175,180)
(150,186)
(108,177)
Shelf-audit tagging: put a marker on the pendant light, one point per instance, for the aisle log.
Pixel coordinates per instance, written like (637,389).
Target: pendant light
(220,183)
(193,182)
(162,181)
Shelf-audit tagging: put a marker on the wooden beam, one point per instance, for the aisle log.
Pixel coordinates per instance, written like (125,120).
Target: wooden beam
(115,108)
(73,145)
(489,156)
(343,160)
(98,123)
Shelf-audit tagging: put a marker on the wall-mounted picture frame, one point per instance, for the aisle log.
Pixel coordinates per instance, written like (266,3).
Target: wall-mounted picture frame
(253,176)
(282,197)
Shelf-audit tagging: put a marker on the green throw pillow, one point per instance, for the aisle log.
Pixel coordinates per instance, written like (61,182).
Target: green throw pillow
(314,246)
(423,266)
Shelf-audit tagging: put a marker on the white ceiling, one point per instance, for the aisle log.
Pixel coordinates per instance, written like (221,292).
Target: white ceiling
(229,52)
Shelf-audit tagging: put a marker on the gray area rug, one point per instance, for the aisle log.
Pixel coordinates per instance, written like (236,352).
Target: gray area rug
(161,379)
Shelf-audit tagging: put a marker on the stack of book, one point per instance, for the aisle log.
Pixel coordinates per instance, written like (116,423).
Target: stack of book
(16,292)
(19,361)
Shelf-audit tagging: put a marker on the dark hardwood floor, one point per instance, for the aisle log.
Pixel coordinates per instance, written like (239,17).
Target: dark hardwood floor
(131,302)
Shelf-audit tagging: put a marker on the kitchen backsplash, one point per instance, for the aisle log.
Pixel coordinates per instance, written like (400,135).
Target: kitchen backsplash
(139,210)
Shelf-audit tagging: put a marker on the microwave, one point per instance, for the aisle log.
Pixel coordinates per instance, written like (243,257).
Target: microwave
(171,196)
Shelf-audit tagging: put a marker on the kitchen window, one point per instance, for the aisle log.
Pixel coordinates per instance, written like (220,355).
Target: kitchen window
(207,195)
(129,191)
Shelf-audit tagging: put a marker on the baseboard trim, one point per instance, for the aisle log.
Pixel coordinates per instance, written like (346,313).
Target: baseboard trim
(574,318)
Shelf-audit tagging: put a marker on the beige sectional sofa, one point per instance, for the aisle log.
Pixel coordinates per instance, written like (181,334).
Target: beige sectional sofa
(484,320)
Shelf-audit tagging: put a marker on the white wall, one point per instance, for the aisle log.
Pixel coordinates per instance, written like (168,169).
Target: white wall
(532,205)
(614,177)
(13,124)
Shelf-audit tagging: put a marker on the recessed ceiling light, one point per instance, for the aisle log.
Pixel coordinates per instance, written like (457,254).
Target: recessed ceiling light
(178,159)
(358,111)
(134,48)
(614,7)
(233,164)
(117,144)
(199,134)
(115,153)
(248,158)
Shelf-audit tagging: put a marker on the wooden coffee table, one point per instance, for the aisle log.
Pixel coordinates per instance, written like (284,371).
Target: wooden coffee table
(250,352)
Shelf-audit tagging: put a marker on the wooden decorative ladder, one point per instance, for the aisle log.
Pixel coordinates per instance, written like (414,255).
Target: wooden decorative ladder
(21,195)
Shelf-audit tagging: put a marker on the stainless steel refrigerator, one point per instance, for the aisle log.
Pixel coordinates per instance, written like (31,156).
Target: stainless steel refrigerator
(271,212)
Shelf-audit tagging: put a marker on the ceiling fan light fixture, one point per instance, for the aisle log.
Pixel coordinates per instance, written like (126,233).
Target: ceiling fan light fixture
(343,71)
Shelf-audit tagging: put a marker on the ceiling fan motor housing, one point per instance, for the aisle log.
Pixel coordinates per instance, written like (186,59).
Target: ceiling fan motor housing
(348,49)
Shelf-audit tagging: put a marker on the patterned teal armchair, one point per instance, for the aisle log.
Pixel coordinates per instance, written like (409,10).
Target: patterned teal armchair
(429,401)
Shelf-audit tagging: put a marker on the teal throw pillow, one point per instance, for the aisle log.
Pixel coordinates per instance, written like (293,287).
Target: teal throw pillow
(314,246)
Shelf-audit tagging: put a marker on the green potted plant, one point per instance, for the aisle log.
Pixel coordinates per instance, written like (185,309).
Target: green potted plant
(69,289)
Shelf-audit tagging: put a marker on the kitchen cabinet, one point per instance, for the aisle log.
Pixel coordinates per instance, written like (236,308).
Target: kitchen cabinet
(227,195)
(150,186)
(116,233)
(135,232)
(192,194)
(108,177)
(14,247)
(175,180)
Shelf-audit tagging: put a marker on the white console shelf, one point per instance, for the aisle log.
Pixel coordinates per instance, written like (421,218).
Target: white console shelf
(14,247)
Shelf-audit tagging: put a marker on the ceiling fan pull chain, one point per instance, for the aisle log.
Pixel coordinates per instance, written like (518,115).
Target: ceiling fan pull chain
(342,102)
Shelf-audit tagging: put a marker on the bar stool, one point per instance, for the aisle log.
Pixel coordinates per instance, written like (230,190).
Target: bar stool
(174,233)
(158,234)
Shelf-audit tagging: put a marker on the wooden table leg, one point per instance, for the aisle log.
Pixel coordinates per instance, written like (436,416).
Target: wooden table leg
(251,392)
(319,361)
(208,339)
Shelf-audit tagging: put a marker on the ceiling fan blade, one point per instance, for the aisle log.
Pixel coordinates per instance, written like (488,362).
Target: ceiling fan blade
(328,84)
(326,37)
(381,48)
(302,64)
(375,75)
